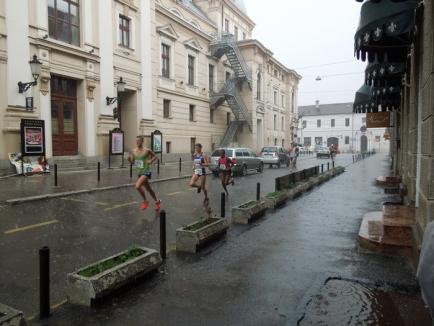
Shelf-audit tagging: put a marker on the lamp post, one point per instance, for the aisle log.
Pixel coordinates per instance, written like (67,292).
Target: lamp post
(35,67)
(120,88)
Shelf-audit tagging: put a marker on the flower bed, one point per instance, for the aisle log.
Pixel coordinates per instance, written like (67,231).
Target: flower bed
(246,212)
(276,199)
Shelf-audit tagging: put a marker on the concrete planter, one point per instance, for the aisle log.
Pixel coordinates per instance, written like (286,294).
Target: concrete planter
(275,200)
(243,214)
(189,239)
(11,317)
(82,290)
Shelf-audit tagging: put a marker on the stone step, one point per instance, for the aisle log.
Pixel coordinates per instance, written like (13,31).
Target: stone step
(388,181)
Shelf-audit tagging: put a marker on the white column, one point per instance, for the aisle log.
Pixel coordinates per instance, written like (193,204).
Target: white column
(88,21)
(45,106)
(18,68)
(90,126)
(106,55)
(41,9)
(146,32)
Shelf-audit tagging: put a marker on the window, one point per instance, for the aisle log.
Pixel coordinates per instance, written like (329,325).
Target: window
(275,141)
(283,142)
(347,140)
(275,73)
(165,61)
(226,25)
(283,101)
(124,31)
(191,112)
(228,75)
(191,63)
(377,139)
(332,123)
(211,116)
(211,77)
(307,141)
(166,109)
(318,123)
(228,118)
(64,21)
(318,140)
(275,122)
(292,102)
(347,122)
(244,36)
(168,147)
(192,144)
(304,124)
(236,33)
(363,120)
(275,98)
(259,87)
(282,126)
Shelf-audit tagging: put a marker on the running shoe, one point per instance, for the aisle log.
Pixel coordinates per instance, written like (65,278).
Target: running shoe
(144,205)
(158,205)
(233,182)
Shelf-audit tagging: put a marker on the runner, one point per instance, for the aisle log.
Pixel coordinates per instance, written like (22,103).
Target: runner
(143,158)
(225,167)
(200,162)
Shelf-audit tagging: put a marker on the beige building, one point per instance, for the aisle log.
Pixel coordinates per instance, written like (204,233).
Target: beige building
(190,68)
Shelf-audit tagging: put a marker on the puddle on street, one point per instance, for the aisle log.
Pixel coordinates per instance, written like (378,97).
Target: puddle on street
(342,302)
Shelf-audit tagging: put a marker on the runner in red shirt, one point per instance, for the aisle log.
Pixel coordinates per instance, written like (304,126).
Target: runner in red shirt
(225,167)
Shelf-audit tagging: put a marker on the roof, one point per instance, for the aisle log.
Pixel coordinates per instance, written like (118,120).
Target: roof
(326,109)
(241,5)
(192,6)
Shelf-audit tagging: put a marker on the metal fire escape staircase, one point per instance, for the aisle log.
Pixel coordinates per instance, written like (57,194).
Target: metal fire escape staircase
(230,92)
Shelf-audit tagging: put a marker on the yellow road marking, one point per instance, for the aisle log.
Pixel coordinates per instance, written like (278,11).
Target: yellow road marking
(29,227)
(120,206)
(102,204)
(53,307)
(174,193)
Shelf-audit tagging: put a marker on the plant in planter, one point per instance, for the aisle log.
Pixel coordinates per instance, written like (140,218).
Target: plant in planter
(10,316)
(276,199)
(99,279)
(244,213)
(192,237)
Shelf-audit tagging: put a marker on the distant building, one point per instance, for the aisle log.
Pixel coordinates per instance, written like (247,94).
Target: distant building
(328,124)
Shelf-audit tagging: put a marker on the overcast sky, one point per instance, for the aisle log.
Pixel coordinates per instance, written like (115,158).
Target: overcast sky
(304,33)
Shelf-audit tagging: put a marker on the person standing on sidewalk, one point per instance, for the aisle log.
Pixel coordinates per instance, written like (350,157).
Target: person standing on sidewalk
(143,158)
(333,152)
(200,163)
(225,167)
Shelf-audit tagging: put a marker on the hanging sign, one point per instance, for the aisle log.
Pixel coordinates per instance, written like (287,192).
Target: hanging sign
(32,137)
(378,120)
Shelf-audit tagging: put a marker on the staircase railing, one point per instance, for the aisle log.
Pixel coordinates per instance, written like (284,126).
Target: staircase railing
(231,132)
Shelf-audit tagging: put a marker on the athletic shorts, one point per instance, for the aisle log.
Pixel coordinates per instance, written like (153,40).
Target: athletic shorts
(226,172)
(146,174)
(200,172)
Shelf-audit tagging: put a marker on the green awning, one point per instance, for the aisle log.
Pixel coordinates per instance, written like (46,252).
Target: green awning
(377,99)
(386,28)
(384,74)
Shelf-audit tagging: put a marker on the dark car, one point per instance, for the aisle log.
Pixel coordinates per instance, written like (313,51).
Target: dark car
(275,155)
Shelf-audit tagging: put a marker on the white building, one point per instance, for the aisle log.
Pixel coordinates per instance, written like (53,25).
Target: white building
(337,124)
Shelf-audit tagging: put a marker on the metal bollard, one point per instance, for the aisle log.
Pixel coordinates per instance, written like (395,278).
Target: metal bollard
(333,164)
(131,170)
(322,168)
(158,167)
(180,165)
(44,282)
(99,171)
(163,234)
(258,191)
(223,205)
(55,175)
(328,166)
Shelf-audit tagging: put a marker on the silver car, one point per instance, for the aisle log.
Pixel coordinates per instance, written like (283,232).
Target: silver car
(244,160)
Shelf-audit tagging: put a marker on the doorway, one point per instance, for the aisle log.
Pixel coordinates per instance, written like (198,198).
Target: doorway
(363,144)
(334,141)
(64,116)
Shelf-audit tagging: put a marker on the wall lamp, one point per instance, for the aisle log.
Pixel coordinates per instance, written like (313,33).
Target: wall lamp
(35,67)
(120,86)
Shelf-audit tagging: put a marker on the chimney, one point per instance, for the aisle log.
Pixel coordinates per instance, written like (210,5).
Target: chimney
(317,104)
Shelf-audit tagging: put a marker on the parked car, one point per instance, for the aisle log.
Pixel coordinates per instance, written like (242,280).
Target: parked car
(243,158)
(322,151)
(275,155)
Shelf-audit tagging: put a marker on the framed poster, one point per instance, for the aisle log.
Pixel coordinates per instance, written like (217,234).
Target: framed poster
(116,142)
(32,137)
(157,142)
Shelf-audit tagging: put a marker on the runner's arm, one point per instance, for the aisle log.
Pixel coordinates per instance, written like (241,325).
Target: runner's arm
(153,157)
(206,161)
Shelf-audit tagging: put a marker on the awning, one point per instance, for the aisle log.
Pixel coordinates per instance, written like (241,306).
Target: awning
(386,28)
(377,99)
(384,74)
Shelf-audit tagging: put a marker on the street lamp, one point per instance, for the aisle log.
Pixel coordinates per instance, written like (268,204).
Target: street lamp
(120,86)
(35,68)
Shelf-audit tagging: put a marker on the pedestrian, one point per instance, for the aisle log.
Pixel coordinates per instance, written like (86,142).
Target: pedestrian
(333,151)
(295,152)
(225,170)
(291,157)
(143,158)
(200,163)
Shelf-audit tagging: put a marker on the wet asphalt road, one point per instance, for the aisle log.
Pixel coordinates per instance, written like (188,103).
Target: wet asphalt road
(258,276)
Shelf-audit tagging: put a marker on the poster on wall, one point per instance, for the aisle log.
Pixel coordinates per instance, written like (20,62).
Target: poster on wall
(32,137)
(157,142)
(116,142)
(378,120)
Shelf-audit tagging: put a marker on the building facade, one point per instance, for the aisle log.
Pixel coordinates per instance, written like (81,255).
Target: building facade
(174,56)
(336,124)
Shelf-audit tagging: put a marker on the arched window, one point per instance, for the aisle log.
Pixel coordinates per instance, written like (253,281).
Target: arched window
(259,87)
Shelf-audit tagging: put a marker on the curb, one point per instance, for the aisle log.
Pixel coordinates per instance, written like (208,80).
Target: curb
(17,201)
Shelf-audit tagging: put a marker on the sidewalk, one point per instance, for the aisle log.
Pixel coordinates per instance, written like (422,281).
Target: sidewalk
(14,190)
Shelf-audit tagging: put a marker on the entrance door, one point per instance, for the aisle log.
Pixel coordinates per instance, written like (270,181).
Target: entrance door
(363,144)
(64,116)
(334,141)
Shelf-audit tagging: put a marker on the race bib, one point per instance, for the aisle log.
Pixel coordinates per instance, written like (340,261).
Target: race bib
(139,164)
(223,167)
(198,171)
